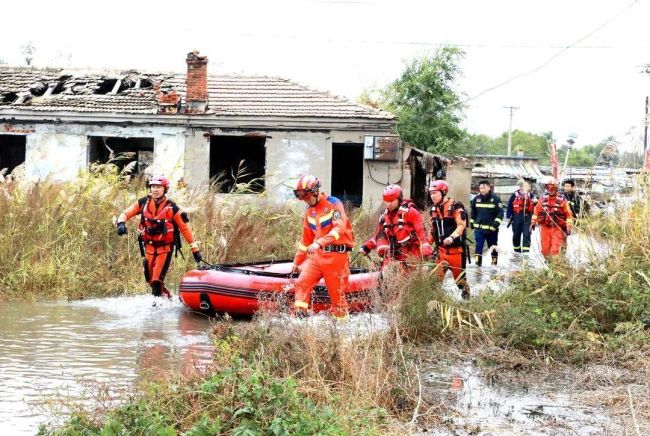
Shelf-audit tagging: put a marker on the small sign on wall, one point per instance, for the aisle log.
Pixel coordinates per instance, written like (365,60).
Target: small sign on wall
(383,148)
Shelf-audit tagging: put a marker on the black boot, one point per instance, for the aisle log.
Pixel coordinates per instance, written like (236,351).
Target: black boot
(156,289)
(464,290)
(479,260)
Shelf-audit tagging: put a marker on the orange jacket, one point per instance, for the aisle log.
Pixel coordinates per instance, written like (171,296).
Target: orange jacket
(553,210)
(448,219)
(167,212)
(406,225)
(324,223)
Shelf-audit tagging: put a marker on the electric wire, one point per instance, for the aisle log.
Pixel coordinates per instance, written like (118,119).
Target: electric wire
(552,58)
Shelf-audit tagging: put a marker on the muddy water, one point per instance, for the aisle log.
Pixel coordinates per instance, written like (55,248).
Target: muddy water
(580,249)
(532,406)
(62,349)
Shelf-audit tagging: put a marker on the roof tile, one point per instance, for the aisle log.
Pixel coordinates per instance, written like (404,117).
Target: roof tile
(77,91)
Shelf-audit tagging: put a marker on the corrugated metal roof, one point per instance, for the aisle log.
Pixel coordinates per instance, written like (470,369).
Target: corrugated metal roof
(507,169)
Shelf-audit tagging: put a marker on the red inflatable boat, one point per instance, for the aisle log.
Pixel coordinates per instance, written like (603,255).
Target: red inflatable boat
(243,289)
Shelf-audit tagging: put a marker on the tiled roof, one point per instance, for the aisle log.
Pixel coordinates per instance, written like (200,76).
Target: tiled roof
(83,91)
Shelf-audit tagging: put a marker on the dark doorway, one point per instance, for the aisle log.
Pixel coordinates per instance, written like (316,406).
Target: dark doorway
(121,152)
(12,151)
(238,163)
(347,172)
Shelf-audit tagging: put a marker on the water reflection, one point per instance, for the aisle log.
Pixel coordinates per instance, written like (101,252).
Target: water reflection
(56,349)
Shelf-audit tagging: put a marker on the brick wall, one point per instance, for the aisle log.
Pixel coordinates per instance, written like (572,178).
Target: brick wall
(197,82)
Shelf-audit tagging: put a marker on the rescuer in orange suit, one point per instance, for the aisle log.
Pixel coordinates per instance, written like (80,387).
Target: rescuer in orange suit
(448,233)
(159,231)
(553,214)
(400,233)
(323,250)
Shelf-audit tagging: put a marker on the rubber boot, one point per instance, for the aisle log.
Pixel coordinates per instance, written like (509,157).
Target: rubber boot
(156,288)
(479,260)
(495,257)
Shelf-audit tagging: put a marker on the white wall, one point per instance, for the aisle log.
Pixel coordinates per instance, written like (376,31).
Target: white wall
(60,151)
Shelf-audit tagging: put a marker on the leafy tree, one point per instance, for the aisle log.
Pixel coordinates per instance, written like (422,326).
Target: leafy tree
(532,144)
(427,104)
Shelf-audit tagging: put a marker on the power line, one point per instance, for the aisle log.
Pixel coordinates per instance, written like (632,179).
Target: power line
(552,58)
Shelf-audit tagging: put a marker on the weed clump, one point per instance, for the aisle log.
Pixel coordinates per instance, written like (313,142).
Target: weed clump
(576,313)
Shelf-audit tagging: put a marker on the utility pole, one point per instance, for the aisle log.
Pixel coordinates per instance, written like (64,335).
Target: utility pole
(512,109)
(645,129)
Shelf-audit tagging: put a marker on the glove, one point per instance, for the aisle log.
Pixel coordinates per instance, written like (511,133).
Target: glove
(509,223)
(197,256)
(365,250)
(121,229)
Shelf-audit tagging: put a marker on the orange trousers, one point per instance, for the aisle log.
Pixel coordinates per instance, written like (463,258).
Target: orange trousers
(156,263)
(553,238)
(334,268)
(452,259)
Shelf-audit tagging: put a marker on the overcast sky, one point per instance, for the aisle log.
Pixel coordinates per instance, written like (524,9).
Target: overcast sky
(593,90)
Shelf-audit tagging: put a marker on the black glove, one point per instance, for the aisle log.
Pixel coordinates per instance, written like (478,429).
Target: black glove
(365,250)
(121,229)
(197,256)
(509,223)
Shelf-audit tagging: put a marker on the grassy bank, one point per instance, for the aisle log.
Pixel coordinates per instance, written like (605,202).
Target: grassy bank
(59,240)
(277,376)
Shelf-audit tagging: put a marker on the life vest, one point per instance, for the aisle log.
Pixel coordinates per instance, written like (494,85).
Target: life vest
(522,203)
(553,211)
(443,222)
(397,225)
(158,228)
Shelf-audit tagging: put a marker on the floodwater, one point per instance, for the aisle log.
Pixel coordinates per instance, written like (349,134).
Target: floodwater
(59,350)
(475,405)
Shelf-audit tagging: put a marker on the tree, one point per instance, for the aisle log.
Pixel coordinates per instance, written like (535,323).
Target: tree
(28,49)
(428,107)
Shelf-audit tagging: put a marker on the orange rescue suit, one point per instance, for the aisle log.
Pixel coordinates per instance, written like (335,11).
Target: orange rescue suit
(553,214)
(400,234)
(157,228)
(449,219)
(326,224)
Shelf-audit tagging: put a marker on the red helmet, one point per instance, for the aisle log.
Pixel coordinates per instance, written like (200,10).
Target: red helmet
(548,180)
(392,192)
(439,185)
(306,186)
(159,180)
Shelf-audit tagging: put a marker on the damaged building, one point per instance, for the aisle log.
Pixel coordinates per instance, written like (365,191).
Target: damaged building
(258,131)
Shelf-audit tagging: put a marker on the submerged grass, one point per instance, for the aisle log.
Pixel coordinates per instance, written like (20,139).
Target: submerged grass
(576,313)
(280,377)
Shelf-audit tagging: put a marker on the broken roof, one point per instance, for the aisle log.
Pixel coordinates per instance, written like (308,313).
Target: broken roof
(504,168)
(132,92)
